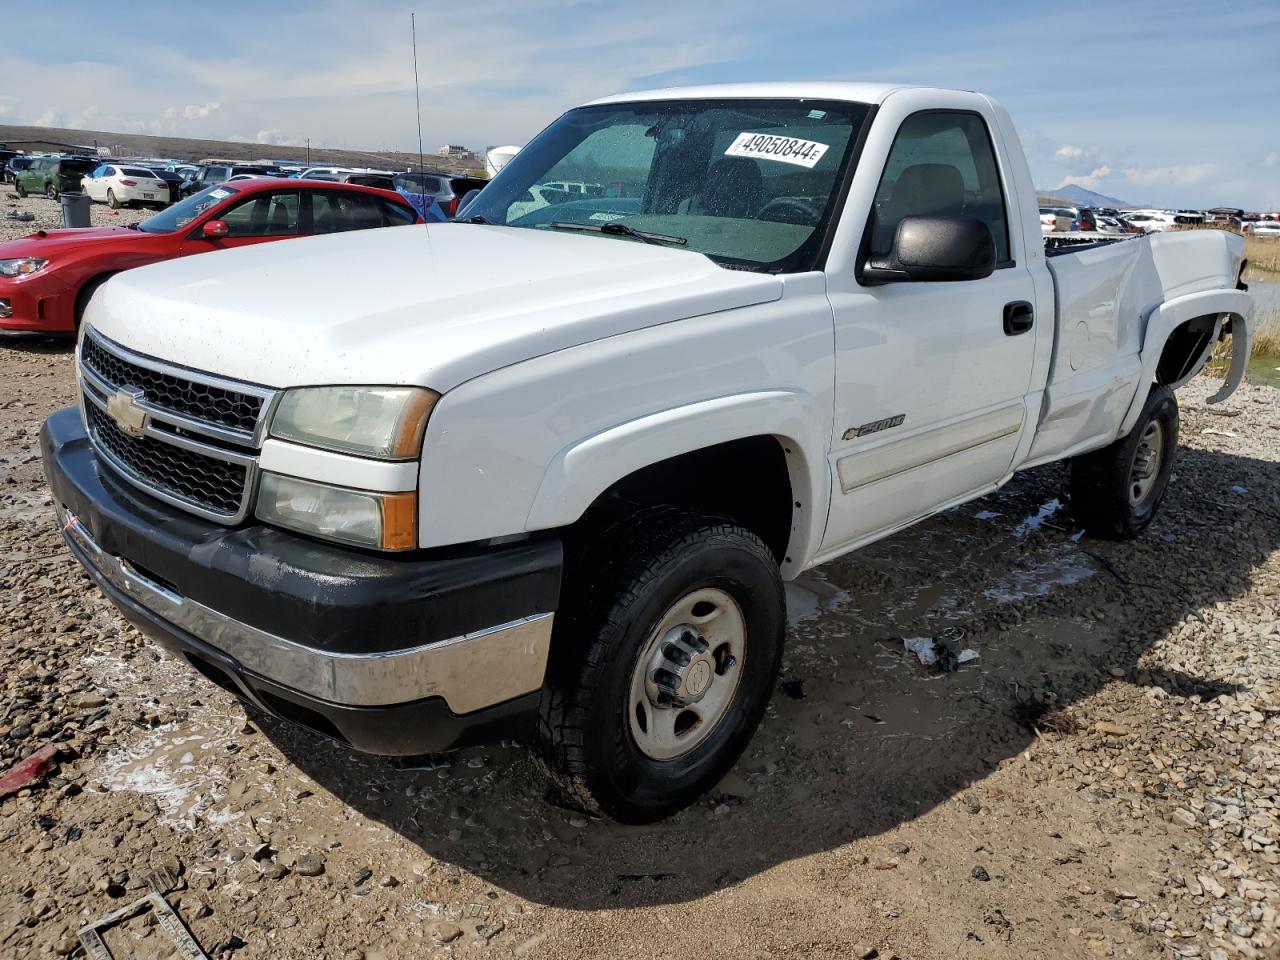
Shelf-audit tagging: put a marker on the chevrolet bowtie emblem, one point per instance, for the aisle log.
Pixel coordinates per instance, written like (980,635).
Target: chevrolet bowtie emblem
(123,408)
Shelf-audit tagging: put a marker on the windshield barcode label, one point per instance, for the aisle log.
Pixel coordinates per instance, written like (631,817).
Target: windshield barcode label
(766,146)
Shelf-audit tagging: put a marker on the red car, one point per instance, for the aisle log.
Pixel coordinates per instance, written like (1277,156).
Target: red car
(47,278)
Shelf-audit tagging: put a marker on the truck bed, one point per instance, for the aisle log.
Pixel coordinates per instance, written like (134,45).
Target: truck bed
(1106,293)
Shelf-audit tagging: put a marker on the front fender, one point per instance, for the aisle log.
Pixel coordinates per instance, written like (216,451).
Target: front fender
(1235,305)
(581,472)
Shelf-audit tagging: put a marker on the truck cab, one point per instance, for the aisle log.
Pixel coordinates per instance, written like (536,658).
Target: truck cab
(544,470)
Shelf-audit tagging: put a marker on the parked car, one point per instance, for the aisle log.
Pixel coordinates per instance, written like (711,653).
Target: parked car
(546,475)
(52,176)
(1086,220)
(118,185)
(1052,219)
(1105,224)
(215,173)
(48,278)
(172,179)
(1150,221)
(10,171)
(448,189)
(1265,228)
(5,157)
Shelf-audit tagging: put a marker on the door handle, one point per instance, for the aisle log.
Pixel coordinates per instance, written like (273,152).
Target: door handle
(1019,317)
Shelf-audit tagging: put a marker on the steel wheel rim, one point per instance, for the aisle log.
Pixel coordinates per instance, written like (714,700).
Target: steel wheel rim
(1148,458)
(685,679)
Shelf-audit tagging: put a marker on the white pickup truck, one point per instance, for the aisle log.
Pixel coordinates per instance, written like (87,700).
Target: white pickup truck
(545,473)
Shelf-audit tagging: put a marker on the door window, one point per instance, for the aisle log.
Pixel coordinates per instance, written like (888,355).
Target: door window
(335,211)
(941,164)
(264,215)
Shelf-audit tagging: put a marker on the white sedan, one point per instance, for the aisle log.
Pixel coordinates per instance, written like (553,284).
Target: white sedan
(118,186)
(1265,228)
(1150,222)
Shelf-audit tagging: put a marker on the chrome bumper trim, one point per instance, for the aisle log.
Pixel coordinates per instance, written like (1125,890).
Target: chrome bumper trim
(470,672)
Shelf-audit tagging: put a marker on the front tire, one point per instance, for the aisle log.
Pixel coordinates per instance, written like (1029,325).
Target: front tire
(19,189)
(1117,491)
(666,655)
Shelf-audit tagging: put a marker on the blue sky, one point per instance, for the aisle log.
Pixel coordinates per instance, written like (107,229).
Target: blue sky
(1171,103)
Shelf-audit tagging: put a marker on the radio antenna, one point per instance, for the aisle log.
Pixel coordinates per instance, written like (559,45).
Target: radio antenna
(417,100)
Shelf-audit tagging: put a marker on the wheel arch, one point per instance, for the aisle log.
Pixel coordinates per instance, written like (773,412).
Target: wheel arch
(747,457)
(85,291)
(1179,338)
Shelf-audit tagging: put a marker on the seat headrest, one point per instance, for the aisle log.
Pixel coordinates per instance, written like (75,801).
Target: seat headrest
(928,189)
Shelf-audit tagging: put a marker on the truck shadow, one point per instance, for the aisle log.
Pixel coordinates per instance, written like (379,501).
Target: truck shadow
(861,737)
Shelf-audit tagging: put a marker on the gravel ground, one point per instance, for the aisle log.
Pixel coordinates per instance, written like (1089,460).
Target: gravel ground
(48,214)
(1103,780)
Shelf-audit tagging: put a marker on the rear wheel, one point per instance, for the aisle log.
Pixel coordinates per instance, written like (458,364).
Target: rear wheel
(112,201)
(1116,491)
(666,655)
(51,191)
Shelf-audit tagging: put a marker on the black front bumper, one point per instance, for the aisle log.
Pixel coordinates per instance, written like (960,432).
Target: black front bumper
(327,608)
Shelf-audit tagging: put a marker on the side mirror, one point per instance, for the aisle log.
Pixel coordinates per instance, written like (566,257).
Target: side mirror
(467,199)
(934,249)
(215,229)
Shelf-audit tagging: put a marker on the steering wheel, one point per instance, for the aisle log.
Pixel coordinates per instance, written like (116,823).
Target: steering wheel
(789,210)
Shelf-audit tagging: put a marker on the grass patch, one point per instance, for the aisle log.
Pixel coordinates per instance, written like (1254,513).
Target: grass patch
(1263,254)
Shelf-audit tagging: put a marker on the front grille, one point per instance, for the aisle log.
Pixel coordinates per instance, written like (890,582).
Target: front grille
(218,406)
(210,484)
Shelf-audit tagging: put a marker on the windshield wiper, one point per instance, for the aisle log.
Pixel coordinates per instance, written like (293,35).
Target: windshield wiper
(621,230)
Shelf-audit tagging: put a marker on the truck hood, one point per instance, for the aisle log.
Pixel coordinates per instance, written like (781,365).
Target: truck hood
(431,305)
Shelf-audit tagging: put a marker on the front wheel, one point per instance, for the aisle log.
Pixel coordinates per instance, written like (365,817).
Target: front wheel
(1116,491)
(666,655)
(19,189)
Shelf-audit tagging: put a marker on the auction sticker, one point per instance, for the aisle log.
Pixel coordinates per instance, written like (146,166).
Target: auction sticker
(767,146)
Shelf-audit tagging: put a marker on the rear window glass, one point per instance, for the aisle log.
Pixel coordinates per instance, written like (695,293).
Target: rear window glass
(137,172)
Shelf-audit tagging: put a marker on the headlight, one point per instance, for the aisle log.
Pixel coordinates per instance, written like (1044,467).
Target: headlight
(21,267)
(381,422)
(381,521)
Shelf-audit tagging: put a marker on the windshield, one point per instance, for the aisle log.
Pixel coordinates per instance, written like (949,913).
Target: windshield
(749,183)
(182,213)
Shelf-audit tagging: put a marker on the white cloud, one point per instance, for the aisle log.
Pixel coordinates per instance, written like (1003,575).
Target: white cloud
(275,138)
(83,119)
(49,118)
(8,105)
(194,111)
(1270,160)
(1068,152)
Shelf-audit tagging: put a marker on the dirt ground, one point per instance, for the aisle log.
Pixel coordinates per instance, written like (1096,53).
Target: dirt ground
(1102,780)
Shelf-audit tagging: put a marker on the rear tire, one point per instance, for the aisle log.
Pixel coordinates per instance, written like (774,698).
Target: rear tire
(1117,491)
(112,201)
(665,657)
(50,191)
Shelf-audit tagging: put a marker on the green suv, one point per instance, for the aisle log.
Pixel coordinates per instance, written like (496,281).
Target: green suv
(52,176)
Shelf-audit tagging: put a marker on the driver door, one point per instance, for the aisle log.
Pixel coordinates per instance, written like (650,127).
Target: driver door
(931,378)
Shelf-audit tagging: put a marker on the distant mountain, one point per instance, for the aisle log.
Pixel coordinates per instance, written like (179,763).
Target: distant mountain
(1079,196)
